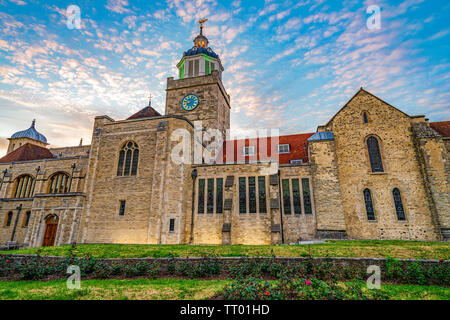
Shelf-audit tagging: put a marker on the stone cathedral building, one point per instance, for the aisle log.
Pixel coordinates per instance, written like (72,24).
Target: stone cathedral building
(370,172)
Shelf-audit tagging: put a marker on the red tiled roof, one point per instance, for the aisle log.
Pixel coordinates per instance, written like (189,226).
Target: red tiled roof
(147,112)
(443,127)
(267,149)
(27,152)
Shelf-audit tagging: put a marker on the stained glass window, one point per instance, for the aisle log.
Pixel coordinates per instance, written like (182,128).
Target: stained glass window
(306,196)
(242,196)
(219,195)
(369,205)
(374,155)
(252,194)
(286,197)
(398,205)
(262,194)
(128,159)
(24,187)
(201,196)
(210,201)
(296,196)
(59,183)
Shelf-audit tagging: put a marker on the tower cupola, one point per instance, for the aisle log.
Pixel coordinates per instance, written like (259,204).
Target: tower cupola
(200,60)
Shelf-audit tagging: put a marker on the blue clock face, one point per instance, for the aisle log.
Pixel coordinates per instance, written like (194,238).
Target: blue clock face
(190,102)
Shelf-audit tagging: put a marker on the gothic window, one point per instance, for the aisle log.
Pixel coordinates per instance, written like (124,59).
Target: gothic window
(374,155)
(201,196)
(8,219)
(296,196)
(59,183)
(365,119)
(369,205)
(210,201)
(26,220)
(128,159)
(398,205)
(219,195)
(306,196)
(286,196)
(24,187)
(262,194)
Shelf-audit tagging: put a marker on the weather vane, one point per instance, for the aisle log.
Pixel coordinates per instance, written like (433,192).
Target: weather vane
(202,21)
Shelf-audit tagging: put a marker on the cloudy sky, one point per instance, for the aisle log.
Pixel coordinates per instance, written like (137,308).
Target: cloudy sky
(288,64)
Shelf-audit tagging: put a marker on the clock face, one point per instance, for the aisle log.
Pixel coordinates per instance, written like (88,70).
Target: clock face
(190,102)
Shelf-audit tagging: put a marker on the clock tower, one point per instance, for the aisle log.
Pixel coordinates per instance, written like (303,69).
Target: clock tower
(199,94)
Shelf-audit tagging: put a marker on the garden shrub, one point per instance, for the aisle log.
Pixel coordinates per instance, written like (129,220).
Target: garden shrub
(296,289)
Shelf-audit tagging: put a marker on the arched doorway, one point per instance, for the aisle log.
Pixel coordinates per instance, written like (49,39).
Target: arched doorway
(51,225)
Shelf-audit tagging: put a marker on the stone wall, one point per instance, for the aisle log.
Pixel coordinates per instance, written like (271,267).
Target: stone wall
(393,129)
(159,192)
(233,227)
(42,203)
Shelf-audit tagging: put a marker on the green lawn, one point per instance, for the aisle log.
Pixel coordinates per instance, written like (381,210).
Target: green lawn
(353,248)
(168,289)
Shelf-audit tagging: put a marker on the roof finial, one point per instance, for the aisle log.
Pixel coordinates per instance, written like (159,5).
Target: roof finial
(81,142)
(201,22)
(150,100)
(33,122)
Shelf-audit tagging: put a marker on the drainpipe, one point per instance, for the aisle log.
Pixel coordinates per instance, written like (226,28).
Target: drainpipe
(3,179)
(35,180)
(281,208)
(74,165)
(194,174)
(19,208)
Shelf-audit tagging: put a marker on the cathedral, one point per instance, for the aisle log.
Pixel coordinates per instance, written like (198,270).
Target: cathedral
(371,172)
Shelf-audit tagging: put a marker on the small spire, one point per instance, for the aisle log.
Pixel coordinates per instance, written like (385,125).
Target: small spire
(81,142)
(150,100)
(33,122)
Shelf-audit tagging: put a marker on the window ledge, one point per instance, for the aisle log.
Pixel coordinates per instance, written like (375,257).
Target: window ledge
(378,173)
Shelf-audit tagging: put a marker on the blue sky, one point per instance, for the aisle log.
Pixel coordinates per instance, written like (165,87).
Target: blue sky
(288,64)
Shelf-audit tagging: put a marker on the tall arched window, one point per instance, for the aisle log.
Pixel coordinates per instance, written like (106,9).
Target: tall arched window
(369,205)
(365,118)
(8,219)
(398,205)
(128,159)
(24,187)
(59,183)
(26,219)
(373,148)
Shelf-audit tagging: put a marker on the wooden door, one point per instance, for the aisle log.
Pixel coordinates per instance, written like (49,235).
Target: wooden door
(50,231)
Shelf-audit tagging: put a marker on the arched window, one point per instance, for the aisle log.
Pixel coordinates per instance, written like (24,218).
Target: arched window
(24,187)
(128,159)
(59,183)
(369,205)
(373,148)
(398,205)
(365,119)
(26,219)
(8,219)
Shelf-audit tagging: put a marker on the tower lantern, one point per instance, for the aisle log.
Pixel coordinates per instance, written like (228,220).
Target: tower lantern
(200,60)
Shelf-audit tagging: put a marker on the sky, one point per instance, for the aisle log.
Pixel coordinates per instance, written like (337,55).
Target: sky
(289,65)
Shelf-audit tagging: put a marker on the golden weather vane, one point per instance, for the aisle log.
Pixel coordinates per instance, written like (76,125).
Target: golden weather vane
(201,22)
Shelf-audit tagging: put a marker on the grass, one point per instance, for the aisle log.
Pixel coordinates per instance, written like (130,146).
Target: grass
(168,289)
(350,248)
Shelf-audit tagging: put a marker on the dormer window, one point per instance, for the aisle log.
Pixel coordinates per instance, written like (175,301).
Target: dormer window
(283,148)
(249,151)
